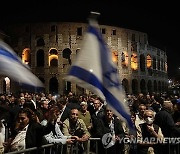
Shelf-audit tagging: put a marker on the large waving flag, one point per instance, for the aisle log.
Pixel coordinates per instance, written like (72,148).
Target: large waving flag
(12,66)
(94,70)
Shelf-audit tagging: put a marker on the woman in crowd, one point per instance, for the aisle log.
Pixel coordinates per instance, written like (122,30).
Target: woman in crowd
(29,131)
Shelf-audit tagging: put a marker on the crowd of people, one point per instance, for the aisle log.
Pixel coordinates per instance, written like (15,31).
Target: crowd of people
(30,120)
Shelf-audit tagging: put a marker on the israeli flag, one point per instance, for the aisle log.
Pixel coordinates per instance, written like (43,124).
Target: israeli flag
(11,65)
(94,70)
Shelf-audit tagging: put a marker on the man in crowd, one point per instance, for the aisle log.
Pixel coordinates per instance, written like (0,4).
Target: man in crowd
(73,126)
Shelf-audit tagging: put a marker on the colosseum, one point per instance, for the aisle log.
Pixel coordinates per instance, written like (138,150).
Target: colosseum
(50,48)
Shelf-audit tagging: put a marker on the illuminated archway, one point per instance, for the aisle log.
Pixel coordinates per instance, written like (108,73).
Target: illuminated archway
(53,57)
(115,57)
(149,61)
(134,61)
(124,58)
(26,56)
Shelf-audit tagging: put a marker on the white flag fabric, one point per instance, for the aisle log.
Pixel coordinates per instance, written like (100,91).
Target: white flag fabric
(11,65)
(94,70)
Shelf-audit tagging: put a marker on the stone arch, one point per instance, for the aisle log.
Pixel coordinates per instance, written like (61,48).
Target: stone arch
(134,61)
(142,62)
(53,57)
(67,54)
(158,64)
(163,86)
(159,86)
(53,85)
(143,86)
(26,56)
(125,85)
(40,58)
(149,86)
(155,86)
(135,86)
(148,61)
(124,58)
(154,63)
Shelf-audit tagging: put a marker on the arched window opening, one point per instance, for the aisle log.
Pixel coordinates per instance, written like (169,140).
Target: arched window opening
(53,52)
(155,86)
(154,63)
(159,86)
(158,64)
(149,61)
(134,61)
(54,62)
(53,57)
(53,86)
(67,55)
(124,58)
(134,86)
(162,65)
(142,62)
(143,86)
(166,66)
(149,86)
(40,58)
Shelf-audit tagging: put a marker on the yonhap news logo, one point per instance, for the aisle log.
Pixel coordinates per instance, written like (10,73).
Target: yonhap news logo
(109,140)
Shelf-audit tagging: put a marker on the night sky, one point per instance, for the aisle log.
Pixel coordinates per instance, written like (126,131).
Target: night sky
(160,20)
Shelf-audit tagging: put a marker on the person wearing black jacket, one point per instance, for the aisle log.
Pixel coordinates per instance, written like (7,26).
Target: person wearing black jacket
(29,131)
(165,120)
(109,124)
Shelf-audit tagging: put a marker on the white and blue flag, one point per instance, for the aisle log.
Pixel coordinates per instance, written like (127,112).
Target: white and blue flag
(11,65)
(94,70)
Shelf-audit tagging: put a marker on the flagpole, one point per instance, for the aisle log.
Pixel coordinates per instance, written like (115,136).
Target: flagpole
(93,18)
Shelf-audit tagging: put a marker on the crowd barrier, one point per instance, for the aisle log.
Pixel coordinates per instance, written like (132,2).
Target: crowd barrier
(73,149)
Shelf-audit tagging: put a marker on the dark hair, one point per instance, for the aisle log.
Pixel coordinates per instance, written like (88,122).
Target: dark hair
(30,114)
(132,113)
(62,101)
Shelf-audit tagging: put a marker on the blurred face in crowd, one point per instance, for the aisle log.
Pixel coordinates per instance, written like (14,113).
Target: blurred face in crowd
(83,107)
(133,118)
(21,101)
(168,105)
(23,120)
(97,104)
(149,116)
(141,110)
(45,104)
(109,114)
(74,115)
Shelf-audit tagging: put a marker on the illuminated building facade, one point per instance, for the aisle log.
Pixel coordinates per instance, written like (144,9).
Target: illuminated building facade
(50,48)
